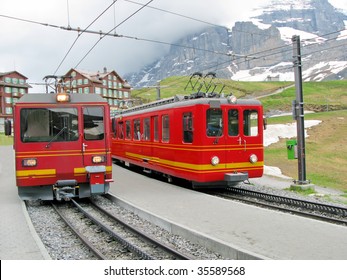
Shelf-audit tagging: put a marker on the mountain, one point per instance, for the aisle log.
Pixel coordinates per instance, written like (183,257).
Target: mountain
(261,48)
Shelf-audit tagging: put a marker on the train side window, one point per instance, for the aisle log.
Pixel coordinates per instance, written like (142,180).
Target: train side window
(127,130)
(187,127)
(114,127)
(165,128)
(137,129)
(233,122)
(146,129)
(214,122)
(93,123)
(120,130)
(156,128)
(250,123)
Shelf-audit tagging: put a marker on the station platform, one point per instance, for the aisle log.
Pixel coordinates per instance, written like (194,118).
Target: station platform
(18,238)
(248,232)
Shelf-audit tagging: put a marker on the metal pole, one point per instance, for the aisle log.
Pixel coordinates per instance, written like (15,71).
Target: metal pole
(158,90)
(299,111)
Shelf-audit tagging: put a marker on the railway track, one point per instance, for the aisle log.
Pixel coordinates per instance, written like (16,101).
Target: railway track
(315,210)
(111,238)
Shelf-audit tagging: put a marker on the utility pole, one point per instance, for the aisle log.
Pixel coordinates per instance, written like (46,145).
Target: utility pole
(299,114)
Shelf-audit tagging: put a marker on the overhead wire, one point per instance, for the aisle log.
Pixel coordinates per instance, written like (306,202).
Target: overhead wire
(108,33)
(80,33)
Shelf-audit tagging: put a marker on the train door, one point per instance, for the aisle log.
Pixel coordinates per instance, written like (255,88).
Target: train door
(244,138)
(94,142)
(215,132)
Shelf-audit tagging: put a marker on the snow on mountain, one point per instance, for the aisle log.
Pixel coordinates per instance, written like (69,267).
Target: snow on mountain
(308,38)
(269,27)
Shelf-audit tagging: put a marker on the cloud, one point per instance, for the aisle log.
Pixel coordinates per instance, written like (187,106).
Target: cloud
(37,50)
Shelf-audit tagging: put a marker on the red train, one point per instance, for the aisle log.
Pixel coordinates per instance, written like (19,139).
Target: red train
(62,146)
(211,142)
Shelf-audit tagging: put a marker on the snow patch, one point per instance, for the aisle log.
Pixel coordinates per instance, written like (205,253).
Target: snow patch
(272,135)
(274,132)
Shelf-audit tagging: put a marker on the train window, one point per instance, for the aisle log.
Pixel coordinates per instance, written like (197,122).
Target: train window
(250,121)
(120,130)
(114,126)
(146,129)
(93,123)
(156,128)
(233,122)
(165,128)
(127,130)
(48,124)
(137,129)
(214,122)
(188,127)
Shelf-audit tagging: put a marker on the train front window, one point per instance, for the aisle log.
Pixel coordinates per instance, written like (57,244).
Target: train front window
(48,124)
(250,123)
(214,122)
(233,122)
(93,123)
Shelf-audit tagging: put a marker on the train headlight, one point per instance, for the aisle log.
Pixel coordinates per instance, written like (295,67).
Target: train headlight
(215,160)
(98,159)
(232,99)
(253,158)
(29,162)
(63,97)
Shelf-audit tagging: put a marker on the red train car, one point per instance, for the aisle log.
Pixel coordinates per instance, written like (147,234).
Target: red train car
(62,146)
(211,142)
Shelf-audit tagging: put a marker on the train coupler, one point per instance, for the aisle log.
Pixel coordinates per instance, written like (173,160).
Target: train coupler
(65,189)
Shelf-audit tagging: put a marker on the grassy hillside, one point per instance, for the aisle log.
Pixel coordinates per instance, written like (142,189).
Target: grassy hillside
(5,140)
(326,151)
(180,86)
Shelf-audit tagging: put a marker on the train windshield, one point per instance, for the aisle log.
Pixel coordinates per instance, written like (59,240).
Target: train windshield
(48,124)
(93,124)
(214,122)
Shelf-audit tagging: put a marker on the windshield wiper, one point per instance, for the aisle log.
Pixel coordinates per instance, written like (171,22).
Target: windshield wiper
(55,137)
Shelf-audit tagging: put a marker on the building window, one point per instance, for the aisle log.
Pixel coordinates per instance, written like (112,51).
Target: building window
(97,90)
(8,90)
(86,81)
(8,110)
(8,100)
(86,90)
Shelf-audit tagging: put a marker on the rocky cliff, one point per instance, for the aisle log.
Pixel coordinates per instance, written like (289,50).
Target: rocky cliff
(260,48)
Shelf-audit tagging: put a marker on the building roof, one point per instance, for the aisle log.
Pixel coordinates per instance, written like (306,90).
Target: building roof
(98,76)
(10,72)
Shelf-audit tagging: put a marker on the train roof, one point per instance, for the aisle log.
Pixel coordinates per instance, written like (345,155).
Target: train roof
(50,98)
(183,101)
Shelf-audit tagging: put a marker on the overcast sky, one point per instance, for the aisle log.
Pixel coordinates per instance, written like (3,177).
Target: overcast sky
(36,50)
